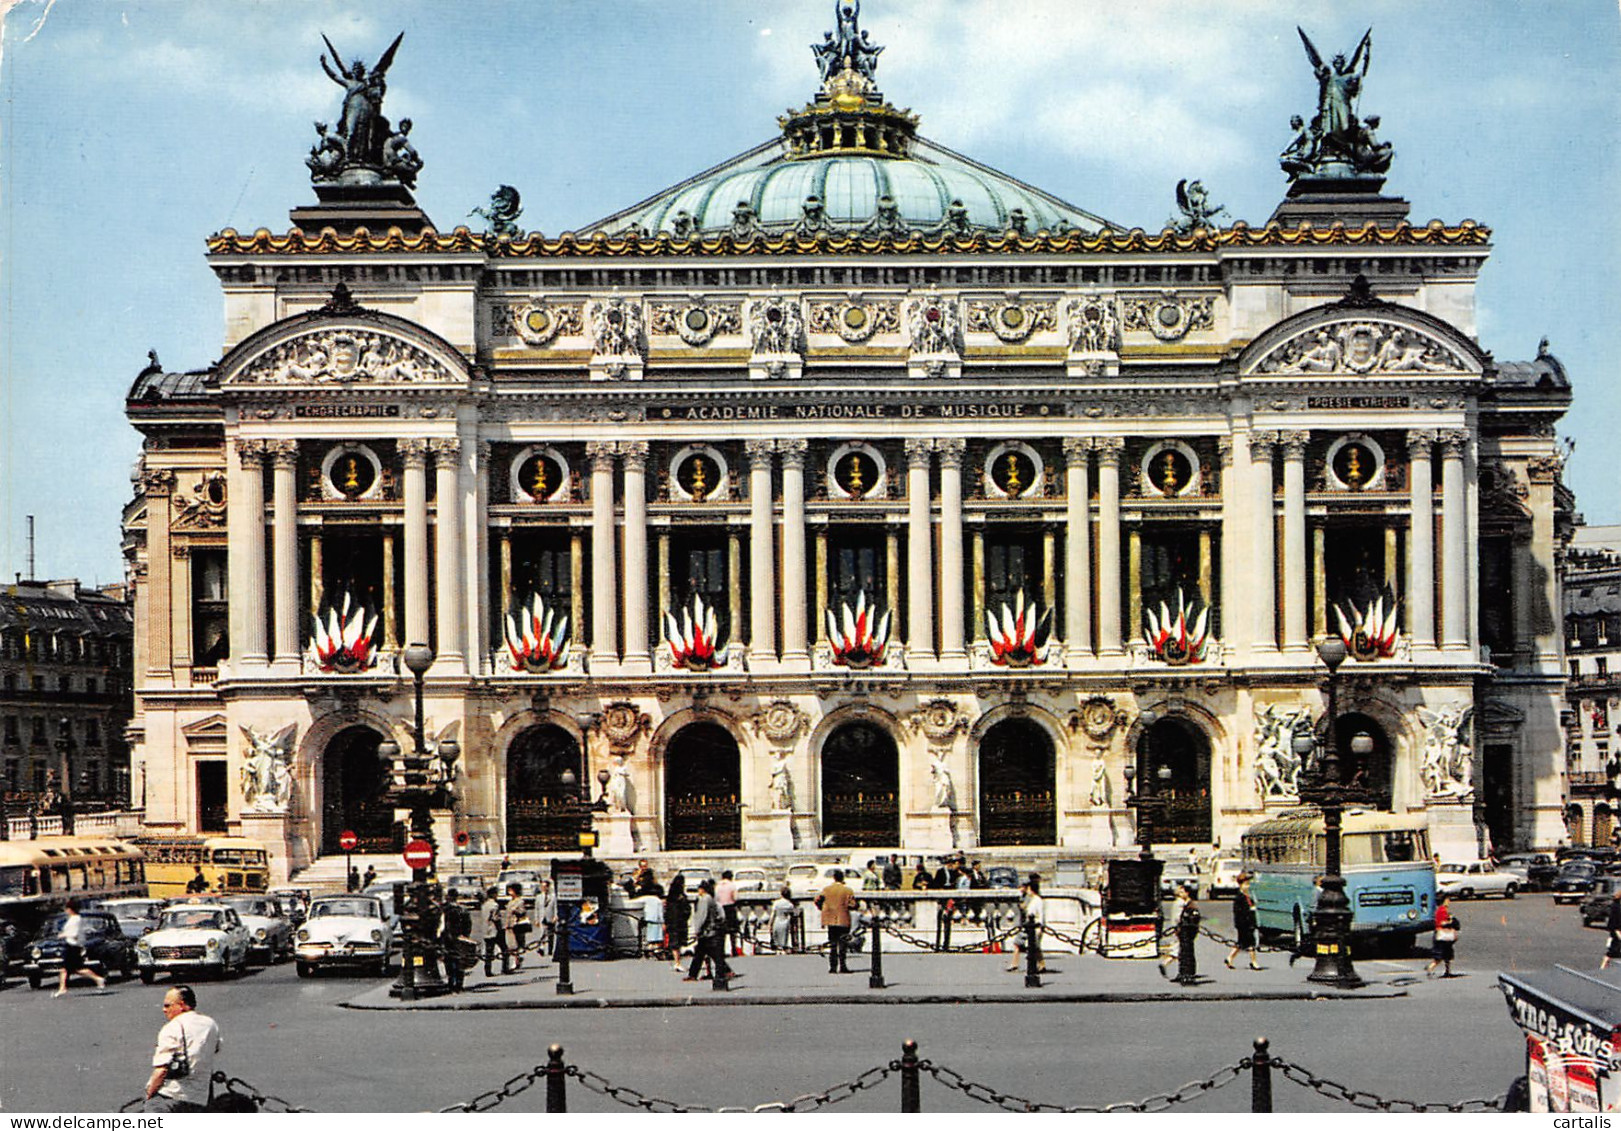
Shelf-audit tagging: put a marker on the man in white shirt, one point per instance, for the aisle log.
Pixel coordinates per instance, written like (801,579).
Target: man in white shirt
(184,1058)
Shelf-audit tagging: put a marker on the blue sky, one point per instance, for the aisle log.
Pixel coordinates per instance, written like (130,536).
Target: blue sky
(131,131)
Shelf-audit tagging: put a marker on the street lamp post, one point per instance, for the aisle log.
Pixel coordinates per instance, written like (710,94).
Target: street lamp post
(413,789)
(585,809)
(1331,925)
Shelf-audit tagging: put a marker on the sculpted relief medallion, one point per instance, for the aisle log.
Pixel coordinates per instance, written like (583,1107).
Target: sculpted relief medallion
(345,356)
(1362,347)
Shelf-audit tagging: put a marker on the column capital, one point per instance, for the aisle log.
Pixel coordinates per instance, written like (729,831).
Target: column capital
(918,452)
(157,481)
(951,451)
(181,550)
(250,454)
(1109,449)
(1453,442)
(481,452)
(1261,445)
(759,453)
(414,452)
(1419,441)
(635,453)
(793,452)
(1294,444)
(445,447)
(283,453)
(1544,470)
(1077,447)
(601,454)
(1224,450)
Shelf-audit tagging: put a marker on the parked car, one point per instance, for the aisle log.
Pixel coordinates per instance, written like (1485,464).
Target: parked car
(801,880)
(1225,868)
(384,894)
(1470,878)
(696,874)
(193,937)
(1595,906)
(1179,871)
(1574,880)
(464,886)
(751,879)
(528,882)
(106,949)
(270,931)
(1003,876)
(294,900)
(344,930)
(1535,869)
(135,916)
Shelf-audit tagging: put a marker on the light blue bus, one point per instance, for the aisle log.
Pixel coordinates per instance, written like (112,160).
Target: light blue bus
(1385,859)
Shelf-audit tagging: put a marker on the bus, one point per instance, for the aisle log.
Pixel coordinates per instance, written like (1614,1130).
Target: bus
(38,877)
(230,865)
(1384,857)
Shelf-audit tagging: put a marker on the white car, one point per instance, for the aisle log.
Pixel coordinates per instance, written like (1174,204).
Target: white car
(270,931)
(1224,872)
(135,916)
(807,880)
(194,937)
(1472,878)
(750,879)
(344,930)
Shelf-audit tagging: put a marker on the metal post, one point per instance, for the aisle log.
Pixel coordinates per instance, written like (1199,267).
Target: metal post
(408,947)
(1032,960)
(875,979)
(911,1100)
(1331,928)
(1261,1077)
(557,1080)
(718,980)
(565,984)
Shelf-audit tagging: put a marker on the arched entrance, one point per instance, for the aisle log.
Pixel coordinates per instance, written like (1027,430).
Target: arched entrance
(1016,785)
(860,788)
(541,815)
(1603,823)
(1173,763)
(703,783)
(1371,775)
(354,787)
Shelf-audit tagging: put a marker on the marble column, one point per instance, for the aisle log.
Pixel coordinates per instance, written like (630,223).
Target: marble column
(951,580)
(1077,547)
(317,593)
(1294,540)
(661,551)
(1420,595)
(391,626)
(1319,576)
(819,621)
(576,587)
(638,657)
(476,554)
(976,583)
(1263,559)
(734,591)
(794,642)
(1454,542)
(762,554)
(284,548)
(158,486)
(414,453)
(919,551)
(604,555)
(1109,449)
(1134,576)
(181,604)
(247,557)
(1207,564)
(447,558)
(504,580)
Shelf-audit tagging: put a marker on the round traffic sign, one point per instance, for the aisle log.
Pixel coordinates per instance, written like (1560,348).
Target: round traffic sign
(418,854)
(347,840)
(462,839)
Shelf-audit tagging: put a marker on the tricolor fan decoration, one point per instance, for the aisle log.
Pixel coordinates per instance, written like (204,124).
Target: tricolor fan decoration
(537,637)
(1179,639)
(693,639)
(343,638)
(1369,634)
(859,637)
(1018,636)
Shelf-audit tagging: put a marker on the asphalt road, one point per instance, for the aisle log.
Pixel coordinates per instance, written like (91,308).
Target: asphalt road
(1449,1040)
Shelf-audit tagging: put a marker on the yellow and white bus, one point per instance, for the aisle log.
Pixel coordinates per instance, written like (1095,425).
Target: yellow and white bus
(37,877)
(229,865)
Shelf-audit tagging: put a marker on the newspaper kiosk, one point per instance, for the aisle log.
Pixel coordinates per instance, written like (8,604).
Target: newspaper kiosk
(1572,1025)
(1131,909)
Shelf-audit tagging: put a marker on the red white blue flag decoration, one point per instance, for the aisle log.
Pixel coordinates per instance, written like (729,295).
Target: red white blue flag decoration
(1179,639)
(343,638)
(1371,633)
(858,636)
(1018,636)
(693,639)
(537,637)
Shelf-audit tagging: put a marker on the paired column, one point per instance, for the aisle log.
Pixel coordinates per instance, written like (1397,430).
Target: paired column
(284,547)
(1263,568)
(1078,547)
(794,643)
(247,556)
(414,455)
(1109,449)
(637,655)
(160,633)
(919,551)
(762,554)
(1454,542)
(1294,540)
(1420,597)
(447,552)
(951,610)
(604,579)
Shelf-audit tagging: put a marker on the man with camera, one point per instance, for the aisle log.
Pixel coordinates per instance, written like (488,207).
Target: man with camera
(184,1059)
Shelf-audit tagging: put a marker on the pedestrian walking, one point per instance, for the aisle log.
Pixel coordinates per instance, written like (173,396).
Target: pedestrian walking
(782,919)
(73,964)
(1446,936)
(518,924)
(1032,912)
(1612,928)
(354,879)
(1171,938)
(676,913)
(183,1062)
(1243,923)
(370,877)
(836,902)
(547,906)
(709,928)
(726,899)
(494,916)
(892,873)
(456,936)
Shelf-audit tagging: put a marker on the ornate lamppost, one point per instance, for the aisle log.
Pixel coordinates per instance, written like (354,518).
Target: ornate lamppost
(1331,923)
(586,809)
(1146,805)
(414,789)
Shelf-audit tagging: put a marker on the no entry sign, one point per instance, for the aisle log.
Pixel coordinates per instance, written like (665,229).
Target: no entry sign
(418,854)
(347,840)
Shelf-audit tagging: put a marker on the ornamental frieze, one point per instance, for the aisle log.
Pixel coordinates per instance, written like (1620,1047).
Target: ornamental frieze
(616,327)
(696,322)
(1011,320)
(931,324)
(539,323)
(854,320)
(775,326)
(203,506)
(1168,315)
(1094,324)
(1362,347)
(344,356)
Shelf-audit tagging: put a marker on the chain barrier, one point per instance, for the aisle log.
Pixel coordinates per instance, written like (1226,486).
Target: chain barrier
(1371,1101)
(1232,943)
(485,1101)
(233,1094)
(630,1097)
(977,947)
(1162,1101)
(1097,945)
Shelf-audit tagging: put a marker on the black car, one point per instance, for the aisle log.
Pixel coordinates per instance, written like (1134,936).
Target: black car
(1575,879)
(1596,905)
(1538,868)
(1002,876)
(106,949)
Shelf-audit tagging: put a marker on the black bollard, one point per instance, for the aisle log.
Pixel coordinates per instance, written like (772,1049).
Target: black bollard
(875,979)
(1032,957)
(911,1097)
(1187,962)
(1261,1077)
(565,985)
(556,1080)
(720,981)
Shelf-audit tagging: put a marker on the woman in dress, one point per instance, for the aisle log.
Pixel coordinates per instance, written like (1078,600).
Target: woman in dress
(782,919)
(1446,935)
(676,912)
(1243,923)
